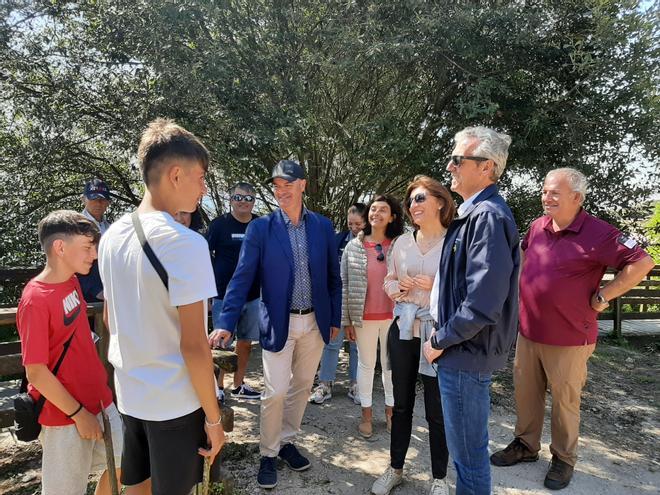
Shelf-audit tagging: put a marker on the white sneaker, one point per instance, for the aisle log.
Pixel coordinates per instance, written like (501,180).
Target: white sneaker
(439,487)
(321,393)
(388,480)
(354,394)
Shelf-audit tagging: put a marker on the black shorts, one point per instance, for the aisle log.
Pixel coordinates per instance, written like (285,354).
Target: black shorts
(166,452)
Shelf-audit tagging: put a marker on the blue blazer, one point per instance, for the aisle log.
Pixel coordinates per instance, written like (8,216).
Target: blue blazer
(266,253)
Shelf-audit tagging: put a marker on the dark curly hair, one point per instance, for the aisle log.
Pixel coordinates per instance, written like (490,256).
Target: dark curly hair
(395,228)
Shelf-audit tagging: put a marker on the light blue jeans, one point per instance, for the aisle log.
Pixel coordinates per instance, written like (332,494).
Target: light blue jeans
(330,358)
(466,405)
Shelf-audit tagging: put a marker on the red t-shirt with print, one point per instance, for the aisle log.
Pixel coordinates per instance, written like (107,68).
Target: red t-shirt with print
(47,316)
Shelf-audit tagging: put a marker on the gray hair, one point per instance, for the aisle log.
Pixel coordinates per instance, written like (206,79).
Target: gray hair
(577,181)
(492,144)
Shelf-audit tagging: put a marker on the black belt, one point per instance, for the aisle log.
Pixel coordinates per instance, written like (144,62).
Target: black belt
(301,311)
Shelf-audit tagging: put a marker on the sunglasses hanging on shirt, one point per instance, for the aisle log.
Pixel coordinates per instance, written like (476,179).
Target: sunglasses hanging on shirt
(381,255)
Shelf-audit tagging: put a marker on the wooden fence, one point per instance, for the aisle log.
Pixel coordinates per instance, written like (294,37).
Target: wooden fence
(11,366)
(644,302)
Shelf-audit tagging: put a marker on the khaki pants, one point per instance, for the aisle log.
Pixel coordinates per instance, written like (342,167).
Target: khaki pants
(288,379)
(562,369)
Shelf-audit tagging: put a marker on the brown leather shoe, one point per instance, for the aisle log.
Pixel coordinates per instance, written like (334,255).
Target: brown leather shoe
(514,453)
(365,428)
(559,475)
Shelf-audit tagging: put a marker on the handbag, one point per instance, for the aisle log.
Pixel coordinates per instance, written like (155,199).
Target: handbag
(27,411)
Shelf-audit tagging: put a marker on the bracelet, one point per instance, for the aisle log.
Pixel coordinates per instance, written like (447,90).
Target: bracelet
(80,406)
(217,423)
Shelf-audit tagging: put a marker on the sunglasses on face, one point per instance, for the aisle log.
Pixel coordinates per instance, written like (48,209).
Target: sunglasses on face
(379,250)
(248,198)
(457,160)
(417,198)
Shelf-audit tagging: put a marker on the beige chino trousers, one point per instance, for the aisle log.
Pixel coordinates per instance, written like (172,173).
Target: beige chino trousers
(288,379)
(563,370)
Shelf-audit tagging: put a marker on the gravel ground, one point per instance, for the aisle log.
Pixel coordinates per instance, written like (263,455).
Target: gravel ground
(619,447)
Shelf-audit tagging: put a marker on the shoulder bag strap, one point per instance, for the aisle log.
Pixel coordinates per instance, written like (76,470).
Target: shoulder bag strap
(155,262)
(40,403)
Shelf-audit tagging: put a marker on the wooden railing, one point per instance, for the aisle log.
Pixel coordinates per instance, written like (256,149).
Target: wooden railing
(11,365)
(643,298)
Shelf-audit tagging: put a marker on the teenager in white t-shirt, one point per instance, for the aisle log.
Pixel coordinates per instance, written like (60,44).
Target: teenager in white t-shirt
(163,366)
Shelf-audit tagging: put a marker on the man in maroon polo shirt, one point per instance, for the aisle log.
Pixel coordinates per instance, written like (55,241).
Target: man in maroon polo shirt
(565,254)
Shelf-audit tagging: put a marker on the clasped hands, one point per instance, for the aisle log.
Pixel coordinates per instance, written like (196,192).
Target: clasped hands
(423,282)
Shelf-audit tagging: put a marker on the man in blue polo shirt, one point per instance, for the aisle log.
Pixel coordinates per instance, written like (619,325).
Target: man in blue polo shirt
(225,237)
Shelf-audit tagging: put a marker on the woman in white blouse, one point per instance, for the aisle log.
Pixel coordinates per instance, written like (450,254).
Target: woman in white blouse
(412,265)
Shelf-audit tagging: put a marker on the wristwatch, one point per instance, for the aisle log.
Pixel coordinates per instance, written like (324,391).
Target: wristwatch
(601,299)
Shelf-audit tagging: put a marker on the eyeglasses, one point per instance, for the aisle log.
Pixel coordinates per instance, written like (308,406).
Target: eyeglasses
(248,198)
(457,160)
(417,198)
(381,255)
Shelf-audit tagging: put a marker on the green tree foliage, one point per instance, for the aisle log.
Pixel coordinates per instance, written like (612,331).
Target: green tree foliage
(366,93)
(653,233)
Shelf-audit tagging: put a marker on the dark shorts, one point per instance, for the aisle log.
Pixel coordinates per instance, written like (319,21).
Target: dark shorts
(166,452)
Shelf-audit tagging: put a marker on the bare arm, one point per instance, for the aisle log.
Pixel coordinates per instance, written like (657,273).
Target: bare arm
(626,279)
(52,389)
(391,281)
(197,356)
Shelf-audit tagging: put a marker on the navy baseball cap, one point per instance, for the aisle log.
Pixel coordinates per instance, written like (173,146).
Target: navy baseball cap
(97,189)
(288,170)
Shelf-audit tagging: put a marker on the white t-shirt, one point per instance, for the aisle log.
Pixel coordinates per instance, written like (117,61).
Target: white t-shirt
(151,378)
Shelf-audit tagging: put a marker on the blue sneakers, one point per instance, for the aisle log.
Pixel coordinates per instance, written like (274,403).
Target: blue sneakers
(294,459)
(267,477)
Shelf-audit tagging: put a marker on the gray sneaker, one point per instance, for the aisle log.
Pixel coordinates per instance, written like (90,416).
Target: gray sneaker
(321,393)
(354,394)
(388,480)
(439,487)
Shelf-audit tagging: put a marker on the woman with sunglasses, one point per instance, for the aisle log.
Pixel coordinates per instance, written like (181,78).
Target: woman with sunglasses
(412,264)
(366,308)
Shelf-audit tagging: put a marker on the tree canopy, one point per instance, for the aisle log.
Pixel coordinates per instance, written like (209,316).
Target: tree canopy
(366,93)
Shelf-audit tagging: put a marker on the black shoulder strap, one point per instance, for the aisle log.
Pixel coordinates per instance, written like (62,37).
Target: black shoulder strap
(155,262)
(40,403)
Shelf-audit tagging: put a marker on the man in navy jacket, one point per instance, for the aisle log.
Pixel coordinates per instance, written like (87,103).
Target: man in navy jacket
(475,302)
(293,253)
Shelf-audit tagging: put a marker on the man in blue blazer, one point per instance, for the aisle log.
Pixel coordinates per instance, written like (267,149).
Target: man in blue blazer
(293,252)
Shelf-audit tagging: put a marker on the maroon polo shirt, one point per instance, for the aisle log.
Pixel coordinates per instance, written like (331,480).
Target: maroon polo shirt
(561,271)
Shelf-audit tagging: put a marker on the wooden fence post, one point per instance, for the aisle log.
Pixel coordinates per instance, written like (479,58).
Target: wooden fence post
(102,347)
(616,324)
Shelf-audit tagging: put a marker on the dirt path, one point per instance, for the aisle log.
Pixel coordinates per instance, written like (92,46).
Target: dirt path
(619,447)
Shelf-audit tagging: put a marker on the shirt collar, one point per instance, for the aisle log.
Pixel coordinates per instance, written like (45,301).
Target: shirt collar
(287,220)
(466,204)
(91,217)
(574,226)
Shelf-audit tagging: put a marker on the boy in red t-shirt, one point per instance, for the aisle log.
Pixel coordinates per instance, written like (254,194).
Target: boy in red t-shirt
(51,310)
